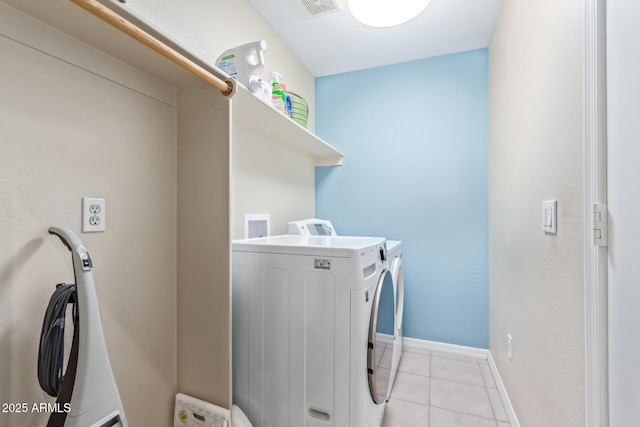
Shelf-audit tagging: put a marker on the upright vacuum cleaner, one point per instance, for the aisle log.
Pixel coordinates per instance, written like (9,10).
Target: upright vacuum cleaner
(87,395)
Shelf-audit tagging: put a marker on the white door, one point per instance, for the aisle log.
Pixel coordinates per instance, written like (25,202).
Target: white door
(623,175)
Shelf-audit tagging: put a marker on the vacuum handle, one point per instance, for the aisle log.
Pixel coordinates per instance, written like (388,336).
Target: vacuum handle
(68,237)
(74,244)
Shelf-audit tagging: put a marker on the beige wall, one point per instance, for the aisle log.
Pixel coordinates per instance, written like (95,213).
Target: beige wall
(267,179)
(267,176)
(535,154)
(69,133)
(204,278)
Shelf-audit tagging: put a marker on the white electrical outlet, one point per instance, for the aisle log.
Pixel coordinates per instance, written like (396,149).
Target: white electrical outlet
(93,215)
(509,347)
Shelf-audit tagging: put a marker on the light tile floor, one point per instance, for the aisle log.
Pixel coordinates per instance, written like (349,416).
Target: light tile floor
(435,389)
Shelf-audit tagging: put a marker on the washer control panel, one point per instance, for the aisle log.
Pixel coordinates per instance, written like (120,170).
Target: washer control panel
(312,227)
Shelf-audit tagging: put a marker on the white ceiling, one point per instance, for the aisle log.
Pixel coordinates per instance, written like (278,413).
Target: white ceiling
(336,43)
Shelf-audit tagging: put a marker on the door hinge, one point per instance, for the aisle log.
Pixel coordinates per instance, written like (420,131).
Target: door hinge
(600,224)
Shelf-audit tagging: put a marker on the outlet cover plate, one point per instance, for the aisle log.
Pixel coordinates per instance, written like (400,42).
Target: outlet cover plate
(549,216)
(256,225)
(93,215)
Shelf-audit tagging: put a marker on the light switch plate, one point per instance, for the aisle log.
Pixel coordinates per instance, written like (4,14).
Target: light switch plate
(549,216)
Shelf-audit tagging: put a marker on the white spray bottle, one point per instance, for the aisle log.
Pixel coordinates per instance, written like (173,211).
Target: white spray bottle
(244,63)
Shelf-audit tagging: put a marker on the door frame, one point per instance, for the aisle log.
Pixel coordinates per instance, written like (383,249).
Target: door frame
(595,192)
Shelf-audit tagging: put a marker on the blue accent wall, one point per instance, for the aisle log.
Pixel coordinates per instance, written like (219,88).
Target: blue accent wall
(414,137)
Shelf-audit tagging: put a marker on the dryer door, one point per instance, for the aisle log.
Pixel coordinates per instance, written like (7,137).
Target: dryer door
(380,347)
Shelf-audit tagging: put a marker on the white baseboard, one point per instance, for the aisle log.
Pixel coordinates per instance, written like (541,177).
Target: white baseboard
(384,339)
(476,353)
(459,350)
(508,408)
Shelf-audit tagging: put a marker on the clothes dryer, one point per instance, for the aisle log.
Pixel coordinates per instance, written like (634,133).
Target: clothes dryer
(390,337)
(305,313)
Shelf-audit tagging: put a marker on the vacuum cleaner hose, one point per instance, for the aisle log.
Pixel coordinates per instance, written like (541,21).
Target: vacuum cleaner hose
(51,349)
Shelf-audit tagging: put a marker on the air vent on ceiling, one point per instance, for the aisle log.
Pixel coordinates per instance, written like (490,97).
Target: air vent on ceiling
(320,7)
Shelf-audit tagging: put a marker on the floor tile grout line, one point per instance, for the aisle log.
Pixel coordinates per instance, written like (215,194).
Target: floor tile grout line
(430,377)
(459,382)
(486,389)
(413,373)
(408,401)
(463,413)
(504,409)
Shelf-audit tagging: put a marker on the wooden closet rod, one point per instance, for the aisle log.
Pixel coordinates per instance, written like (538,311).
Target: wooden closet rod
(226,87)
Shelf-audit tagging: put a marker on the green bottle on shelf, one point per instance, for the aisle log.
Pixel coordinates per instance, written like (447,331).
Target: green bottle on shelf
(279,98)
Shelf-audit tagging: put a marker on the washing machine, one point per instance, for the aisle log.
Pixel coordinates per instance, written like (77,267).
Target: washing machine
(390,338)
(305,326)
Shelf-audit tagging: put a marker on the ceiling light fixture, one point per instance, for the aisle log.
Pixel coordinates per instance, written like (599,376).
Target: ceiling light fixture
(386,13)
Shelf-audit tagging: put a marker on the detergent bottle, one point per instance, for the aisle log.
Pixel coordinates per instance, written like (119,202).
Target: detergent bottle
(244,63)
(280,100)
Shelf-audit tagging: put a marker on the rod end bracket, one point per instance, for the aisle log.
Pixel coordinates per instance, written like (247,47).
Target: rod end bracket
(232,87)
